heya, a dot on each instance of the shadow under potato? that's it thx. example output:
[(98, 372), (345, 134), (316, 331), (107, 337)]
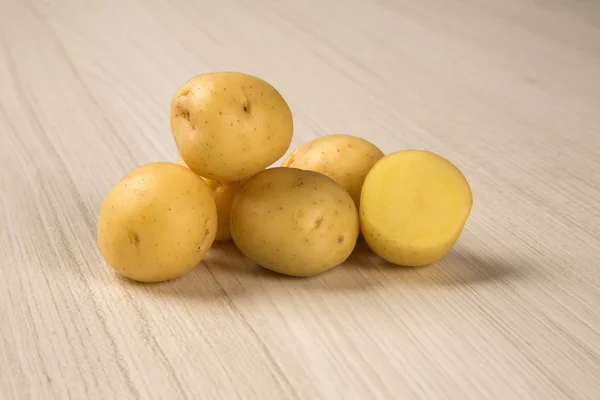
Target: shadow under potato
[(457, 268), (226, 272)]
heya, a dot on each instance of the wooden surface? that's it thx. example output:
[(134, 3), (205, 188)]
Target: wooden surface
[(509, 90)]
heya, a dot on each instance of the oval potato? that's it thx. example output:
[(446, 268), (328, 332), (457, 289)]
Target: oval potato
[(229, 126), (344, 158), (294, 222), (157, 222)]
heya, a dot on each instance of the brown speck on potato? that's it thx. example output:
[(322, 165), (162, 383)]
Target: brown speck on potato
[(134, 238), (207, 232), (341, 239), (318, 222)]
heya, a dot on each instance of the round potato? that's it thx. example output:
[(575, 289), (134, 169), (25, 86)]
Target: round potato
[(413, 207), (224, 193), (157, 222), (229, 126), (344, 158), (294, 222)]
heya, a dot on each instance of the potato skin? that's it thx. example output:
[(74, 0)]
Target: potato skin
[(228, 126), (344, 158), (224, 193), (413, 208), (294, 222), (157, 222)]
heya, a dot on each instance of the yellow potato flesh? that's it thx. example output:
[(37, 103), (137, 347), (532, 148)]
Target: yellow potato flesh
[(344, 158), (224, 193), (413, 207), (157, 222)]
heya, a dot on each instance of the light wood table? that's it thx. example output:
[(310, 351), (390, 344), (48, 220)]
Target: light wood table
[(509, 90)]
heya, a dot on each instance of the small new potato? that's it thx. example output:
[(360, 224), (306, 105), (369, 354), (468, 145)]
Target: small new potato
[(413, 207), (344, 158), (294, 222), (224, 193), (228, 126), (157, 222)]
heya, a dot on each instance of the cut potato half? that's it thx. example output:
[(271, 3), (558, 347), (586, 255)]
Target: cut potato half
[(413, 207)]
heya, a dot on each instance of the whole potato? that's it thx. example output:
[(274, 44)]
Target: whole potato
[(413, 208), (228, 125), (224, 193), (157, 222), (344, 158), (294, 222)]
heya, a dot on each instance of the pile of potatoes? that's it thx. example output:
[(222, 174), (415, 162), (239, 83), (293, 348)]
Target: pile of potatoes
[(300, 219)]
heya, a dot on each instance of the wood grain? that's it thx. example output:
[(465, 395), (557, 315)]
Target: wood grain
[(508, 90)]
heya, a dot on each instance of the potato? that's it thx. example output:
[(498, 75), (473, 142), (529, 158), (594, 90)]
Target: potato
[(344, 158), (157, 222), (224, 193), (294, 222), (413, 207), (229, 126)]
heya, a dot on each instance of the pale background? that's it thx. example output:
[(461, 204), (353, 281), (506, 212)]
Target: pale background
[(509, 90)]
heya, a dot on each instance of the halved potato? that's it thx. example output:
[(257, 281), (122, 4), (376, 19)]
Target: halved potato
[(413, 207)]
